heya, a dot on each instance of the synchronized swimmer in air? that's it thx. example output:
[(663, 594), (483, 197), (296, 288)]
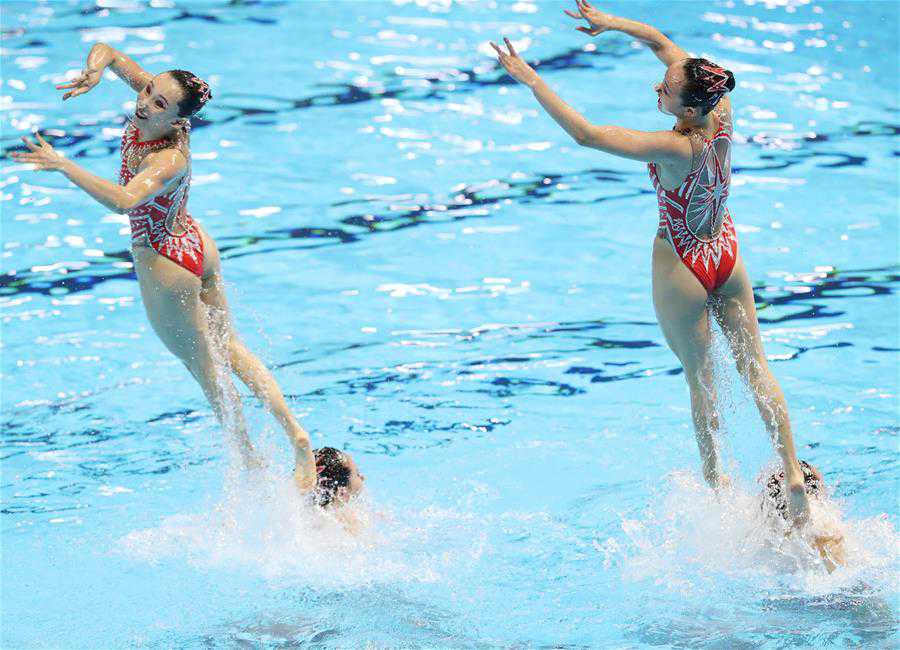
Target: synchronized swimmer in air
[(697, 270), (177, 262)]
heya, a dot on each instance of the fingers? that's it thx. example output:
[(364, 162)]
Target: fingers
[(27, 159), (512, 50), (572, 14), (498, 50), (28, 143), (40, 138), (74, 83), (76, 92)]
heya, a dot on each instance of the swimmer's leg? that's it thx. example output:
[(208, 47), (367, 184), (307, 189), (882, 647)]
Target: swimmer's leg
[(735, 312), (251, 371), (171, 297), (680, 302)]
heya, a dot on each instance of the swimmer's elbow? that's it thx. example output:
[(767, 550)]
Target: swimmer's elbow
[(126, 202), (589, 136), (581, 138)]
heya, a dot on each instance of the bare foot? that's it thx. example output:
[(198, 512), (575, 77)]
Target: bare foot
[(798, 503)]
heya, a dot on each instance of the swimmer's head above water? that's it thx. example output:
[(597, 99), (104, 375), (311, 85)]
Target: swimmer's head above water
[(337, 477), (775, 498), (693, 87), (170, 98)]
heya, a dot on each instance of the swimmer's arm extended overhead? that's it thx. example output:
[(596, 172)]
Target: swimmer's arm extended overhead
[(103, 56), (647, 146), (157, 170), (599, 22)]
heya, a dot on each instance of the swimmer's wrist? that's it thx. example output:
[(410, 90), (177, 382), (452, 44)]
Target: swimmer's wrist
[(100, 57), (66, 167), (534, 82)]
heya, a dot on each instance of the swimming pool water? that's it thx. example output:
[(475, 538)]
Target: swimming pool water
[(451, 290)]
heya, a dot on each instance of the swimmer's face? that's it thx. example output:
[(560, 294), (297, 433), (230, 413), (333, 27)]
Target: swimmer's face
[(669, 92), (157, 102)]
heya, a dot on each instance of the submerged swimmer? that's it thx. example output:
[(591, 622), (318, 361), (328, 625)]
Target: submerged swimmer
[(697, 269), (337, 478), (338, 481), (829, 544), (176, 262)]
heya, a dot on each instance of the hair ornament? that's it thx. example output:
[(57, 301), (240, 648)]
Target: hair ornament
[(717, 78), (201, 87)]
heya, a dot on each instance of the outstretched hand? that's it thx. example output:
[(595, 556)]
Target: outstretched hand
[(515, 65), (81, 84), (41, 155), (599, 22)]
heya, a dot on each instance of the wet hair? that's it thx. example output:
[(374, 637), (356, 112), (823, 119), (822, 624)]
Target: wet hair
[(195, 90), (775, 493), (705, 83), (332, 473)]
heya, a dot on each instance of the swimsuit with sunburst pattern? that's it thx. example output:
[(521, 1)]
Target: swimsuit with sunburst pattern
[(694, 217)]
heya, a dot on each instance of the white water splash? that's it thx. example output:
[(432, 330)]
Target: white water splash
[(266, 528), (689, 539)]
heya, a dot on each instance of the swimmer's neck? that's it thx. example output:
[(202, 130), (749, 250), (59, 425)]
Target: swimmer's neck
[(700, 123), (158, 133)]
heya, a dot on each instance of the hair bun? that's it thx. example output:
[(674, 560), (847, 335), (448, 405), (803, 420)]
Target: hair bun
[(196, 92), (730, 83)]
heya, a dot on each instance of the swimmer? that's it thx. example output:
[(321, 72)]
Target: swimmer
[(697, 269), (338, 481), (829, 544), (176, 262)]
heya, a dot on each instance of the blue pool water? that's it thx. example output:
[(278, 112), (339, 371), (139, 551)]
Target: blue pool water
[(450, 289)]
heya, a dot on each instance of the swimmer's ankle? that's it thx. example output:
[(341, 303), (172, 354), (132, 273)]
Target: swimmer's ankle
[(793, 473), (798, 503)]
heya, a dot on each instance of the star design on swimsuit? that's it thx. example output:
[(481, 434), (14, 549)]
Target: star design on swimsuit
[(708, 203)]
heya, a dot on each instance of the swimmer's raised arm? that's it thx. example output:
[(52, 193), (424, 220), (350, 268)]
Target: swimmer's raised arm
[(157, 170), (100, 57), (647, 146), (664, 49)]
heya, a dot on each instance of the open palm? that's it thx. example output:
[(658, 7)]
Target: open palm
[(81, 84)]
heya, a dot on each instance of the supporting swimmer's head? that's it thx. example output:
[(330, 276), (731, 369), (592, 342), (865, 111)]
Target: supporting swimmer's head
[(692, 87), (337, 477), (170, 99), (775, 497)]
